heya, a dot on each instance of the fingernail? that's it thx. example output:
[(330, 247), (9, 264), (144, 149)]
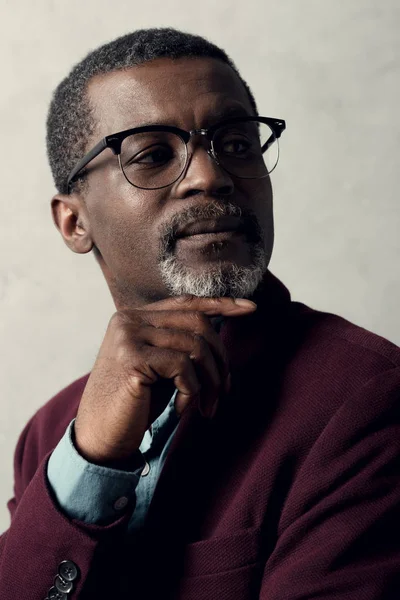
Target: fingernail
[(245, 303), (228, 384)]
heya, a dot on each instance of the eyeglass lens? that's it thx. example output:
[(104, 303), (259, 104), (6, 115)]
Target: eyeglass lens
[(156, 159)]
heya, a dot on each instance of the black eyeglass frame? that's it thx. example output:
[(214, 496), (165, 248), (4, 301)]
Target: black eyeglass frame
[(114, 141)]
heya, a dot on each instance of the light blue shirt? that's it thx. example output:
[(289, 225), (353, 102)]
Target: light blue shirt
[(96, 494)]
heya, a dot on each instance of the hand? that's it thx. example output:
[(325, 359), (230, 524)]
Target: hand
[(146, 352)]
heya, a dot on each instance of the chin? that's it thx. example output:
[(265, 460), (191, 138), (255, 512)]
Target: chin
[(216, 279)]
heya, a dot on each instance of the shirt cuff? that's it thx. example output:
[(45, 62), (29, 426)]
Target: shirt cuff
[(90, 493)]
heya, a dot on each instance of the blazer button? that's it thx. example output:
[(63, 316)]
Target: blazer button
[(63, 586), (54, 594), (68, 570)]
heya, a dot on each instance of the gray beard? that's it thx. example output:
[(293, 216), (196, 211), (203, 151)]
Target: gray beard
[(218, 279)]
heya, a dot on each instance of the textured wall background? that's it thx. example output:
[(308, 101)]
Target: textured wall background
[(331, 69)]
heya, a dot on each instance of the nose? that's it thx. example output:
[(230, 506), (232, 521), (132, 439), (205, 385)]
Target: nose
[(204, 175)]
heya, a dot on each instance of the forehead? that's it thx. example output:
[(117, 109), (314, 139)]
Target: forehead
[(184, 92)]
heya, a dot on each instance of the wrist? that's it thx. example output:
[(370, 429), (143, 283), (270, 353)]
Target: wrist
[(130, 463)]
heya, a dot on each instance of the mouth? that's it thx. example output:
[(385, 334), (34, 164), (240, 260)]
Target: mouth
[(211, 236), (213, 229), (215, 239)]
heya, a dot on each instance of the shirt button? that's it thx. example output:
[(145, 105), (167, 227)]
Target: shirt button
[(63, 586), (121, 503), (68, 570), (146, 469)]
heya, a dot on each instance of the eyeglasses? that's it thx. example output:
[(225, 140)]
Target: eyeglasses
[(153, 157)]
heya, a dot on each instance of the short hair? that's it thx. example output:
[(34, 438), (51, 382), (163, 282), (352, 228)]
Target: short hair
[(70, 120)]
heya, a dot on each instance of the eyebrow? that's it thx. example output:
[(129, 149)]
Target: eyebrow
[(223, 114), (230, 111), (219, 115)]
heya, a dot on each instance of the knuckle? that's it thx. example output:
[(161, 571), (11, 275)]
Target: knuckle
[(120, 336), (117, 319), (184, 362), (120, 345), (199, 321), (120, 320), (200, 347), (186, 299), (123, 324), (126, 352), (142, 374)]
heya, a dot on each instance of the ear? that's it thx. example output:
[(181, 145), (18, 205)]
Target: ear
[(72, 221)]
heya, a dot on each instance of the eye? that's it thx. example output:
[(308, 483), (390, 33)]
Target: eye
[(152, 156), (238, 146)]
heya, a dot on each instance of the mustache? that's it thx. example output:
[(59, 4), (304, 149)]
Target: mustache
[(249, 222)]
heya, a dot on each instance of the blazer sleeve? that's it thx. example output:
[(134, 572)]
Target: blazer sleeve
[(339, 532), (41, 537)]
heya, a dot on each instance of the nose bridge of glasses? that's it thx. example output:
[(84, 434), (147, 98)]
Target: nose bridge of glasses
[(204, 135), (205, 141)]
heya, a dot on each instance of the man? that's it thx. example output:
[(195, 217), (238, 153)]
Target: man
[(228, 442)]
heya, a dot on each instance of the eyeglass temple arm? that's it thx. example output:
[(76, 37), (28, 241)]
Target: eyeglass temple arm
[(102, 145), (279, 127)]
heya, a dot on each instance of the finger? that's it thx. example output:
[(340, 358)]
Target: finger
[(195, 346), (209, 306), (193, 323), (167, 364)]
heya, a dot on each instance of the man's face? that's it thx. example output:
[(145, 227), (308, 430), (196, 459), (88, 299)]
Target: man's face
[(135, 230)]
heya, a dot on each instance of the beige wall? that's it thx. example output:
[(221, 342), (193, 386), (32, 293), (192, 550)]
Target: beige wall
[(331, 69)]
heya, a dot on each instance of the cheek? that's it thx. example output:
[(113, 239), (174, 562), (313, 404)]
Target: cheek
[(130, 245), (123, 230), (259, 200)]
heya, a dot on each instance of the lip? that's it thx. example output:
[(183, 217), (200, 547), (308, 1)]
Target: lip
[(210, 237), (212, 227)]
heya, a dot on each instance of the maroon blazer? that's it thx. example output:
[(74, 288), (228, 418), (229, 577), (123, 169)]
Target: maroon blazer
[(292, 492)]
